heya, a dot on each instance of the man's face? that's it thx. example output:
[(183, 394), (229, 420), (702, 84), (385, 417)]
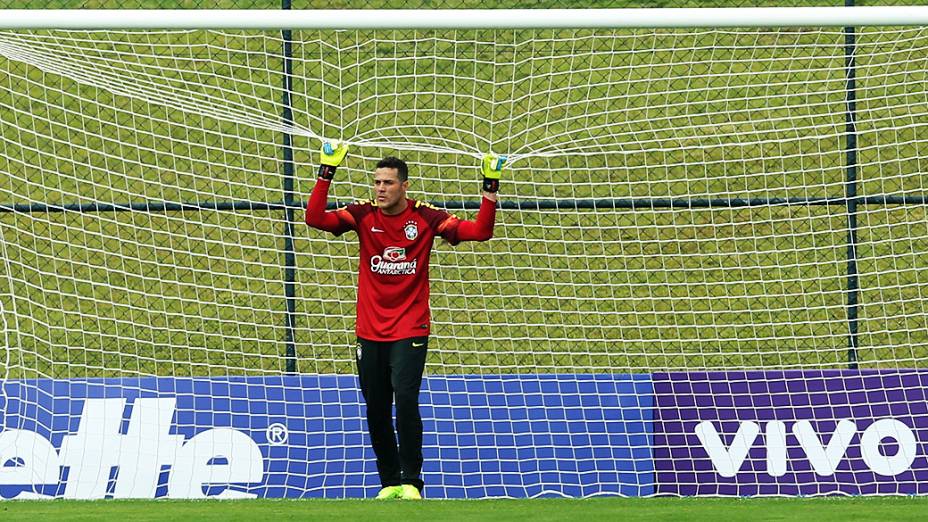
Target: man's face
[(388, 189)]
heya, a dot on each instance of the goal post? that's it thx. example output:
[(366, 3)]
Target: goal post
[(333, 19), (706, 276)]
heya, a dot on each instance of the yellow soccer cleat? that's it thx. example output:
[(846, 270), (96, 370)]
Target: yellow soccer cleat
[(410, 492), (391, 492)]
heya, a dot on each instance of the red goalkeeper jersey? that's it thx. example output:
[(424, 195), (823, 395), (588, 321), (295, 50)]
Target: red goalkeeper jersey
[(393, 276)]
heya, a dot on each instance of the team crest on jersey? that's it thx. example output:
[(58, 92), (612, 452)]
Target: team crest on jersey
[(411, 230)]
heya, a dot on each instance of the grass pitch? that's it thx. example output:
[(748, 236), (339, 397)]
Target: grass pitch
[(199, 293), (536, 510)]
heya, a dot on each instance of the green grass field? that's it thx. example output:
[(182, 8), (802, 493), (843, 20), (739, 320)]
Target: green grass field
[(712, 510)]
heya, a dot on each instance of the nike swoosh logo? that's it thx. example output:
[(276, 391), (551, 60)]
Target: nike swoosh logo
[(375, 229), (419, 345)]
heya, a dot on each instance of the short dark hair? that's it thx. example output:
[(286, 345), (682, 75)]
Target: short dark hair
[(390, 162)]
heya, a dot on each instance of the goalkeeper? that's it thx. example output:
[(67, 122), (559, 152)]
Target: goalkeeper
[(395, 235)]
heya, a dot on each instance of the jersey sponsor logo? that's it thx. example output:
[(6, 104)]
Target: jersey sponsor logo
[(393, 262), (411, 229), (394, 254), (375, 229)]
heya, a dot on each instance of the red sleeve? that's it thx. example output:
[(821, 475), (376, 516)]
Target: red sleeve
[(335, 221), (455, 230)]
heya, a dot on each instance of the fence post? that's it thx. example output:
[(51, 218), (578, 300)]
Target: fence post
[(289, 172), (850, 192)]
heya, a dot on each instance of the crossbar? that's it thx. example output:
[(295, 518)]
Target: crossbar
[(266, 19)]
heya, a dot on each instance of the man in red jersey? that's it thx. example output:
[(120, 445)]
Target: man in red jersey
[(395, 235)]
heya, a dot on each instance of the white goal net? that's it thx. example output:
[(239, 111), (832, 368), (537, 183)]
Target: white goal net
[(676, 202)]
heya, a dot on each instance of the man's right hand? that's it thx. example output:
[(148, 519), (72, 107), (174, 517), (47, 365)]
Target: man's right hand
[(492, 169), (330, 156)]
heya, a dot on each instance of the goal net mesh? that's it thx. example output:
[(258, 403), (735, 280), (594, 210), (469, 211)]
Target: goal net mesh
[(675, 199), (633, 118)]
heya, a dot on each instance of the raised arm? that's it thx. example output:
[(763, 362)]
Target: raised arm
[(482, 228), (316, 214)]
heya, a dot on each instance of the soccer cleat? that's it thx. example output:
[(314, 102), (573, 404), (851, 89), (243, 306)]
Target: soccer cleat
[(390, 492), (410, 492)]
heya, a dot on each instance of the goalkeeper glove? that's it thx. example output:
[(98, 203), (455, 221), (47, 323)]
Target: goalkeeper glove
[(492, 168), (330, 157)]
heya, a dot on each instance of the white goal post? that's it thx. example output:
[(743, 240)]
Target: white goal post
[(262, 19), (707, 276)]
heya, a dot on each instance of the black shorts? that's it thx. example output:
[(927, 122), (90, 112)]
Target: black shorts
[(388, 367)]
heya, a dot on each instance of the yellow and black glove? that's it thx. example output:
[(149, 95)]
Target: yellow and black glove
[(330, 157), (492, 169)]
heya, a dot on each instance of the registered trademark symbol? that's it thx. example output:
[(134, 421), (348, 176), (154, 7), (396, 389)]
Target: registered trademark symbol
[(277, 434)]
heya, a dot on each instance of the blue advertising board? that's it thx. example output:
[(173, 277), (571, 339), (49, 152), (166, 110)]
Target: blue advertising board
[(305, 436), (695, 433)]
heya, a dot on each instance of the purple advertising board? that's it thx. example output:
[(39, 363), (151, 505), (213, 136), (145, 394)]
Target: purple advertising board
[(791, 432)]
